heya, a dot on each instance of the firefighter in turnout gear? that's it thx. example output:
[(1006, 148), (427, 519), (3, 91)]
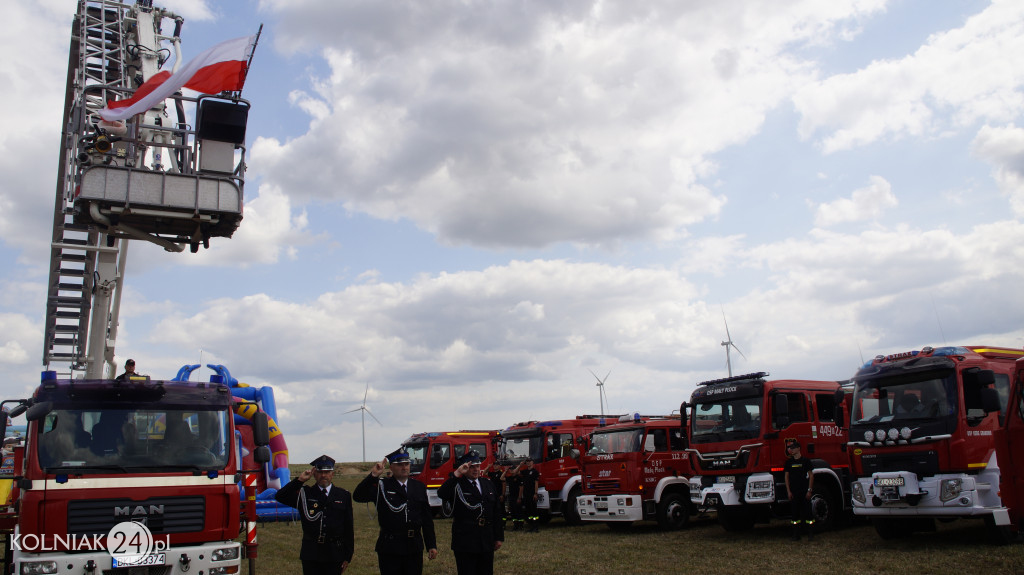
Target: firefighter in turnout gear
[(477, 530), (326, 513), (403, 512), (800, 487), (529, 483)]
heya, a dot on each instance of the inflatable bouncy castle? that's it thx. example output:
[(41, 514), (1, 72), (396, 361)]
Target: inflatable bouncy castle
[(249, 400)]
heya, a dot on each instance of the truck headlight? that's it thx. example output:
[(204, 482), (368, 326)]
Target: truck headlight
[(38, 567), (950, 489), (858, 492), (224, 554)]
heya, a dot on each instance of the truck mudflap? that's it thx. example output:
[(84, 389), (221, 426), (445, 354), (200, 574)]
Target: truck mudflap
[(901, 494), (179, 560), (610, 507)]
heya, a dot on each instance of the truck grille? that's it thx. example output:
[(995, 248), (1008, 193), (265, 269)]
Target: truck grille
[(923, 463), (603, 484), (160, 514)]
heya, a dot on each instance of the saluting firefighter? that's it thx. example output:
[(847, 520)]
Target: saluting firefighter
[(477, 529), (403, 512), (326, 513)]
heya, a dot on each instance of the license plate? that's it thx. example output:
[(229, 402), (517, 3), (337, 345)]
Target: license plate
[(138, 560), (601, 506), (889, 481), (726, 479)]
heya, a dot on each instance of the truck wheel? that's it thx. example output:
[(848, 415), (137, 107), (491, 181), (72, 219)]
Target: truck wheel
[(446, 508), (570, 512), (735, 520), (673, 512), (825, 508)]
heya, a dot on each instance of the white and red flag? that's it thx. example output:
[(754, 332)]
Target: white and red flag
[(219, 69)]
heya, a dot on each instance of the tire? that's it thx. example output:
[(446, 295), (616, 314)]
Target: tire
[(446, 508), (825, 508), (673, 512), (570, 512), (735, 519)]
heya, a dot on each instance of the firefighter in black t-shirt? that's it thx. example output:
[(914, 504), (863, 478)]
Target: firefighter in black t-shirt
[(513, 482), (529, 484), (800, 487)]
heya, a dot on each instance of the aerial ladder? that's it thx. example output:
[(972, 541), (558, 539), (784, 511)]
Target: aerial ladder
[(154, 177)]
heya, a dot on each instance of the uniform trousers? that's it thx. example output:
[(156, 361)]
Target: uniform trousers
[(411, 564)]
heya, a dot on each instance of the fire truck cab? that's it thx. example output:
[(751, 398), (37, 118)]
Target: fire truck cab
[(1010, 452), (551, 444), (738, 428), (637, 470), (433, 456), (922, 433)]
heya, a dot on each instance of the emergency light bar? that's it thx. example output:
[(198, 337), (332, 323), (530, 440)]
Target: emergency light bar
[(748, 376)]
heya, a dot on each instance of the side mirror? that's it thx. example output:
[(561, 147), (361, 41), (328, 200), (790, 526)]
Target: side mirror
[(682, 416), (781, 411), (39, 411), (260, 428), (262, 454)]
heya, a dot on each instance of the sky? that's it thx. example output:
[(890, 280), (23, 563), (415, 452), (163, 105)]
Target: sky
[(470, 212)]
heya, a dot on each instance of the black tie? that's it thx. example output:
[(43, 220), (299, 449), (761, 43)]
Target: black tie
[(324, 489), (405, 489), (476, 484)]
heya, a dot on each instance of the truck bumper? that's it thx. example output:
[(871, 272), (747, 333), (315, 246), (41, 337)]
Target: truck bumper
[(610, 507), (900, 494), (432, 497), (180, 560), (758, 489)]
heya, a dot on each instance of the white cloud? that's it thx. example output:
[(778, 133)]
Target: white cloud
[(866, 203), (505, 126), (1004, 149), (959, 77)]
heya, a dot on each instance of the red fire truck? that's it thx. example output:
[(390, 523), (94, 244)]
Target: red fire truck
[(433, 456), (922, 437), (637, 470), (100, 454), (550, 445), (738, 428)]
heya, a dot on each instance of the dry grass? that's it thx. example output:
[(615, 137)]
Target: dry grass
[(704, 547)]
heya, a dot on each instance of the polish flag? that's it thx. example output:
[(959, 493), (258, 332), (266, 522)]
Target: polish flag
[(221, 68)]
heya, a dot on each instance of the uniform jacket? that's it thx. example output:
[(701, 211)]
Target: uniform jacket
[(406, 522), (326, 521), (476, 517)]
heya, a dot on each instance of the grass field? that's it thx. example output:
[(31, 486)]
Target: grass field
[(704, 547)]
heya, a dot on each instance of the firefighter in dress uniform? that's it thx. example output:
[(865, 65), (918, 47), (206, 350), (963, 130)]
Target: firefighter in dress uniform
[(403, 512), (326, 513), (477, 530), (800, 487)]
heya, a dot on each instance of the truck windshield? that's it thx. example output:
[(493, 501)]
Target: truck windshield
[(97, 441), (625, 441), (522, 448), (921, 396), (417, 456), (726, 420)]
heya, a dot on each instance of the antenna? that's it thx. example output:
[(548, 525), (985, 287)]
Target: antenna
[(728, 343), (600, 388), (364, 410)]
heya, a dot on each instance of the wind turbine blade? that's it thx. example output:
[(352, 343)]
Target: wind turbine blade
[(351, 410), (737, 350), (367, 410), (727, 336), (366, 391), (594, 374)]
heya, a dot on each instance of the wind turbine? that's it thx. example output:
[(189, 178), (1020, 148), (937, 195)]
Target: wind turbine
[(600, 388), (364, 410), (728, 343)]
